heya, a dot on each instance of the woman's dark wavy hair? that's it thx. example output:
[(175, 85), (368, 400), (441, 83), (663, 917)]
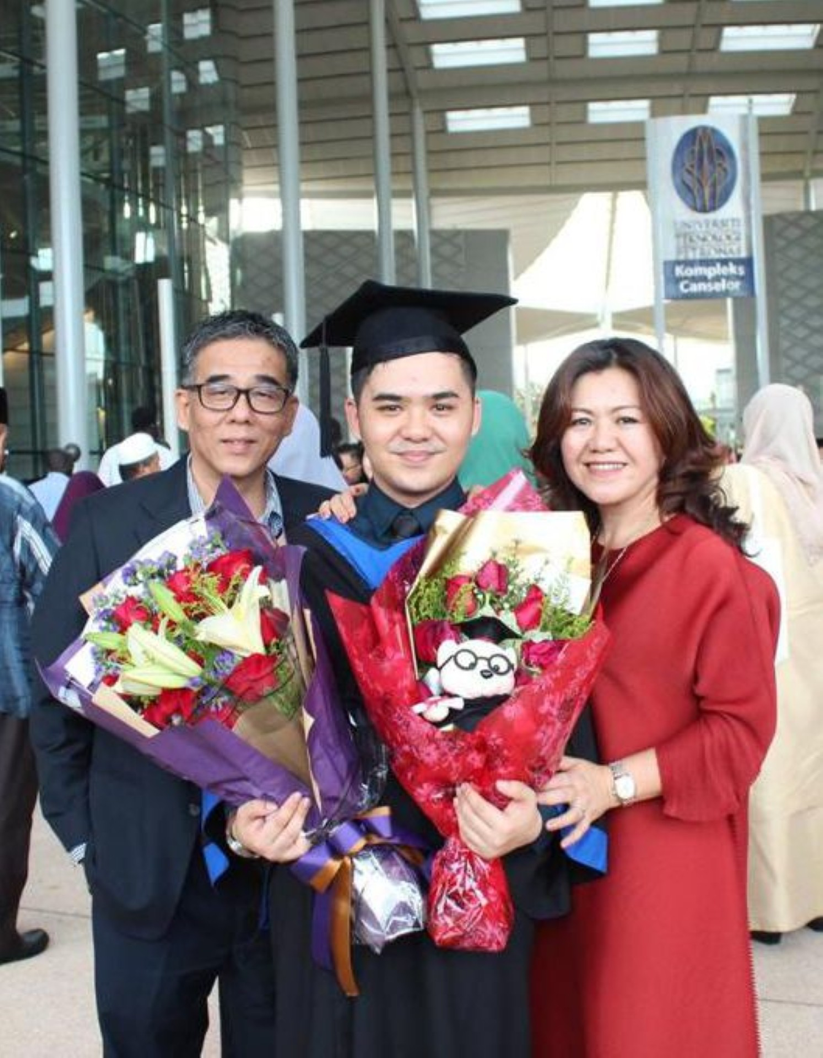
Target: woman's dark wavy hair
[(691, 458)]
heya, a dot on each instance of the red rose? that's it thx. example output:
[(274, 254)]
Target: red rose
[(131, 611), (168, 704), (540, 654), (226, 715), (109, 679), (493, 576), (461, 602), (234, 564), (181, 701), (253, 678), (273, 625), (529, 612), (428, 635), (180, 585)]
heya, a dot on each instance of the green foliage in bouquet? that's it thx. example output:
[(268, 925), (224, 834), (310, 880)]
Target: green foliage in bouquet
[(502, 590)]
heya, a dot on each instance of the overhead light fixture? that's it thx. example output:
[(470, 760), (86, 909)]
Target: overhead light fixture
[(765, 105), (494, 52), (138, 99), (793, 37), (111, 64), (622, 43), (466, 8), (207, 71), (611, 111), (196, 24), (488, 118), (154, 37)]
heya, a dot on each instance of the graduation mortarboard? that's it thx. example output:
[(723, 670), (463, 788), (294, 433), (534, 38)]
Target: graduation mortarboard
[(381, 322)]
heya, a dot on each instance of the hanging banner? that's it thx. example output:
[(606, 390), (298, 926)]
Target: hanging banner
[(700, 197)]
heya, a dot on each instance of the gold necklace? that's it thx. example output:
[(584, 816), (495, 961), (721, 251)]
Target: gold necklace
[(614, 564), (601, 575)]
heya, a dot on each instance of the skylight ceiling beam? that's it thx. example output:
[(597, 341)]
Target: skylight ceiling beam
[(530, 86), (398, 36), (584, 19)]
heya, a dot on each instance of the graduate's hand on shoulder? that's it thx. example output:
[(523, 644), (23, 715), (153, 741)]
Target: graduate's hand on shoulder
[(274, 832), (490, 831), (342, 506)]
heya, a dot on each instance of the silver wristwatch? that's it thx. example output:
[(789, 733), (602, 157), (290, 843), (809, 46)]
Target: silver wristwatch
[(624, 787), (235, 846)]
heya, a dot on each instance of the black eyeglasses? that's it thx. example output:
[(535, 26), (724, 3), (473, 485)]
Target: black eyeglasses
[(220, 396)]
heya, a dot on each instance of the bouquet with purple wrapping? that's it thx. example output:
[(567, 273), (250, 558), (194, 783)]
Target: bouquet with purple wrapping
[(199, 653)]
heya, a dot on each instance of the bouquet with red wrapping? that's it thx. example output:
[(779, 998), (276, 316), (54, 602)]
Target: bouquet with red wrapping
[(466, 562)]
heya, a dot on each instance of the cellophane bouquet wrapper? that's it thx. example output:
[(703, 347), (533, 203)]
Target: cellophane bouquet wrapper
[(248, 725), (523, 738)]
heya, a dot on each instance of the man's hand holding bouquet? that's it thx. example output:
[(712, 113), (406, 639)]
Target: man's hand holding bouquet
[(495, 596)]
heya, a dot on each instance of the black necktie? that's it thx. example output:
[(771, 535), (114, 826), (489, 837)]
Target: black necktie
[(404, 526)]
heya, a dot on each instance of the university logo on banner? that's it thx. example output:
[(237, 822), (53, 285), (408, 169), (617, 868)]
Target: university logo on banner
[(700, 198)]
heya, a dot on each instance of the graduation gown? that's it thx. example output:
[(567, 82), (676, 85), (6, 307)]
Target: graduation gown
[(415, 999)]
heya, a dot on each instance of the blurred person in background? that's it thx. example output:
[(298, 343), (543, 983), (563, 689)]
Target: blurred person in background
[(49, 489), (349, 457), (499, 445), (298, 455), (82, 483), (143, 420), (27, 545), (778, 487), (137, 456)]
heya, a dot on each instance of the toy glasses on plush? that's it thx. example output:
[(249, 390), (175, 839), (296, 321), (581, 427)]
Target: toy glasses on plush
[(476, 668)]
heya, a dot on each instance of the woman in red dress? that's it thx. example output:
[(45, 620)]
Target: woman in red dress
[(654, 959)]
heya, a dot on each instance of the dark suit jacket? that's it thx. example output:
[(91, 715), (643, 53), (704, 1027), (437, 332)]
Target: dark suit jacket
[(139, 823)]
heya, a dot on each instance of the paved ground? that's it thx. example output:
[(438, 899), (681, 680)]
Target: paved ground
[(48, 1009)]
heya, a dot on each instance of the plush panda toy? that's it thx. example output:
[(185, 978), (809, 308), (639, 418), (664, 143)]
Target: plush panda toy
[(472, 677)]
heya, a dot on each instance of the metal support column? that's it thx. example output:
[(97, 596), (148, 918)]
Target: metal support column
[(168, 363), (66, 222), (382, 140), (288, 152), (422, 204), (756, 215)]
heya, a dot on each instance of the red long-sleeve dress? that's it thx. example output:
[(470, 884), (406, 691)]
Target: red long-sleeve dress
[(654, 959)]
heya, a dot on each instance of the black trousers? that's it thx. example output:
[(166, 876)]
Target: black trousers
[(151, 994), (18, 794)]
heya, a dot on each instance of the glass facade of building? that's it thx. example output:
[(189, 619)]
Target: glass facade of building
[(160, 162)]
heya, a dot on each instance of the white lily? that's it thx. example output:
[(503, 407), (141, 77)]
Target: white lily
[(237, 628), (148, 681), (154, 652)]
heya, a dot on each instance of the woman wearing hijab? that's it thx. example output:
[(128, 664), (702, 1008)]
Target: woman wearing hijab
[(778, 487), (82, 483)]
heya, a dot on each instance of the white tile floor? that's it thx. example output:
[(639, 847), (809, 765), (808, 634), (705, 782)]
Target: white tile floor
[(48, 1008)]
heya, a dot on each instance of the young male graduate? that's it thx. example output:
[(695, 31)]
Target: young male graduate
[(164, 928), (415, 409)]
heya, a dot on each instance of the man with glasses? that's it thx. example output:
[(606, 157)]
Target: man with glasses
[(163, 929)]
